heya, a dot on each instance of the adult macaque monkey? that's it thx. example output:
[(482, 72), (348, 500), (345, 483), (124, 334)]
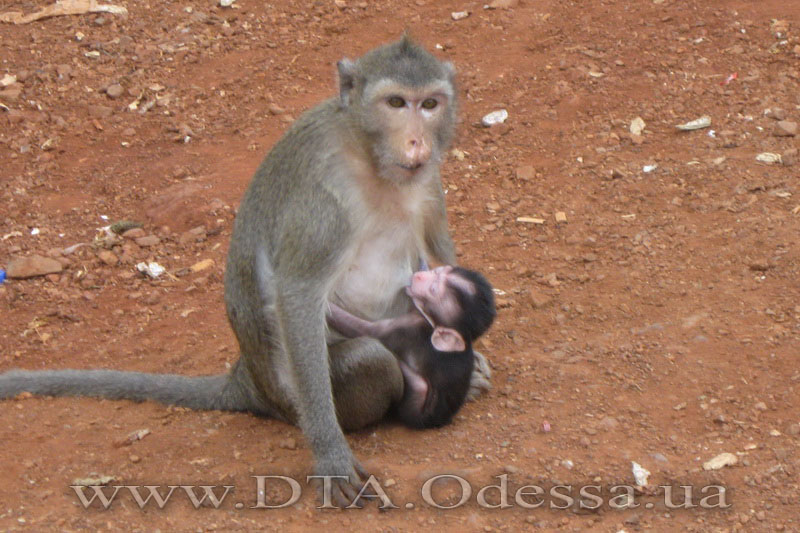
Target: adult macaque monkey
[(342, 210)]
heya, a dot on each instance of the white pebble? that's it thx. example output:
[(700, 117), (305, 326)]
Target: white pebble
[(495, 117)]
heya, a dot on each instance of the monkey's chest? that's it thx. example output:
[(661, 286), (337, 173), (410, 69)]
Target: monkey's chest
[(372, 284)]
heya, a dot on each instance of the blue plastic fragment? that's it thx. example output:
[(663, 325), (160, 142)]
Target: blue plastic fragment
[(2, 275)]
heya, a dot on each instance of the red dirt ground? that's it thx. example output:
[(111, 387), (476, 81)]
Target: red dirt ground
[(658, 324)]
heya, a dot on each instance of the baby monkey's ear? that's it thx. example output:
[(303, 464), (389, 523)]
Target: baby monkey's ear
[(447, 340)]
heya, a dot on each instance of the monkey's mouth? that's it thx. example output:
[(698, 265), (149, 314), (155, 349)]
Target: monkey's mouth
[(410, 167)]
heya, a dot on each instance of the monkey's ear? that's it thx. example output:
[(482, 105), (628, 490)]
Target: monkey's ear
[(447, 340), (347, 80), (450, 71)]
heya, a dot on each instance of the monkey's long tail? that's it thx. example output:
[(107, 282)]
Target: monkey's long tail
[(206, 392)]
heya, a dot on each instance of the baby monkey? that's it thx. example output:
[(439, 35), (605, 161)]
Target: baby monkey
[(433, 343)]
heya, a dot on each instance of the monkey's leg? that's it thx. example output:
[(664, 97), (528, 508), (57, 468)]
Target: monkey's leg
[(366, 380), (481, 374)]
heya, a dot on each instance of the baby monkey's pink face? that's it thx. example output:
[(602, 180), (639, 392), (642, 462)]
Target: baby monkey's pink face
[(433, 291)]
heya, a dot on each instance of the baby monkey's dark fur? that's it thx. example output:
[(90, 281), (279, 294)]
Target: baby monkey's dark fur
[(436, 381)]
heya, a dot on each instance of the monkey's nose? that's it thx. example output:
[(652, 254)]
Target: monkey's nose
[(417, 152)]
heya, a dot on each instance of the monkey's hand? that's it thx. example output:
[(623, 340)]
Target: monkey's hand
[(341, 481), (481, 374)]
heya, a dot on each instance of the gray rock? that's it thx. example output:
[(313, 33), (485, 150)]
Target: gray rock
[(785, 128), (114, 90), (148, 240)]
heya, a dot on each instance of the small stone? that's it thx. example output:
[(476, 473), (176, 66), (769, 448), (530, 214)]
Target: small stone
[(759, 265), (720, 461), (114, 91), (633, 520), (202, 265), (459, 15), (789, 157), (64, 72), (503, 4), (494, 118), (539, 300), (458, 154), (15, 116), (760, 406), (148, 240), (785, 128), (32, 266), (525, 172), (768, 157), (561, 216), (696, 124), (776, 113), (99, 111), (275, 109), (11, 93), (7, 80), (608, 423), (551, 280), (794, 430), (135, 458), (134, 233), (108, 257), (637, 126)]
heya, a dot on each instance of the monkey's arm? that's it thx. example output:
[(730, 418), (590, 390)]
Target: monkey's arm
[(350, 325), (437, 237), (304, 263), (390, 331)]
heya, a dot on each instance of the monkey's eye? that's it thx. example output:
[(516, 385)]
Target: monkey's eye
[(429, 103), (396, 101)]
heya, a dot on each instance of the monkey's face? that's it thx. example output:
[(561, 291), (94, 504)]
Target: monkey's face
[(433, 292), (407, 126)]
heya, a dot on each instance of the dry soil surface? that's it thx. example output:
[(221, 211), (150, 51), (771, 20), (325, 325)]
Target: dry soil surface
[(649, 309)]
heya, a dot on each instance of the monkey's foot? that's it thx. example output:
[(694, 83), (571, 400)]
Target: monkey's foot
[(345, 487), (481, 374)]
